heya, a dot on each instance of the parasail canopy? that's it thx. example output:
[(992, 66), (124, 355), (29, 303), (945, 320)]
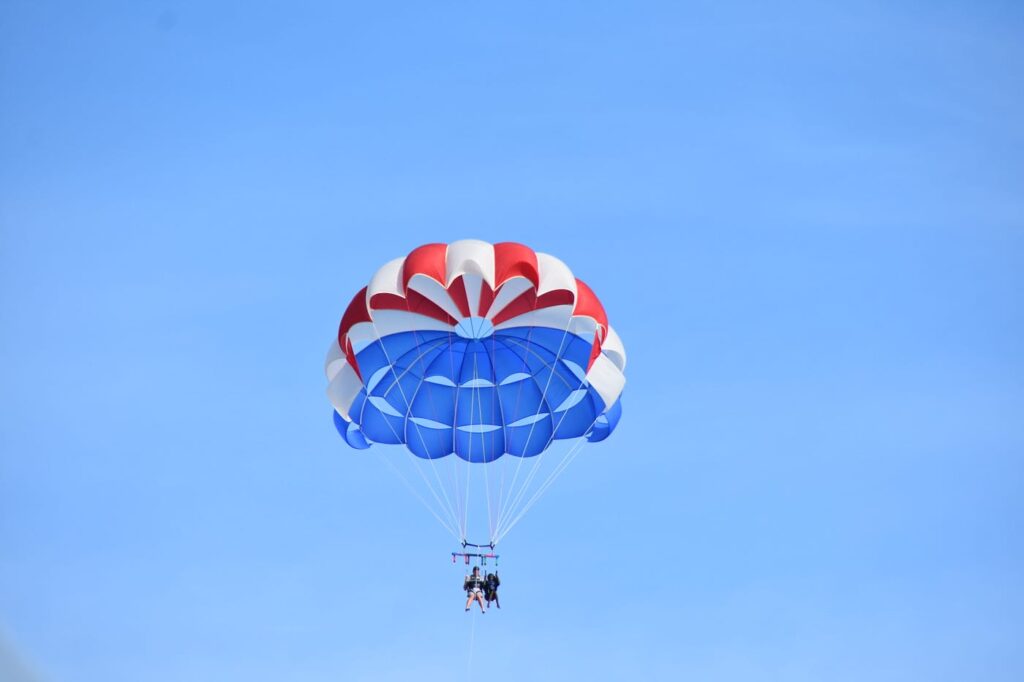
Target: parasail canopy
[(478, 351)]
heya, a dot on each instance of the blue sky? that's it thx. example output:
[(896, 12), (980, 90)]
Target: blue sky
[(805, 221)]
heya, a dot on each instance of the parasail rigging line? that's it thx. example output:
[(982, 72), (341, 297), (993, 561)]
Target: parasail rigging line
[(540, 406), (528, 350), (398, 383), (563, 464), (412, 489), (446, 524), (457, 510), (472, 642), (567, 459), (503, 493)]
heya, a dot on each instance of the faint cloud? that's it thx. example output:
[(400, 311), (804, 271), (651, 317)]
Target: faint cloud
[(13, 667)]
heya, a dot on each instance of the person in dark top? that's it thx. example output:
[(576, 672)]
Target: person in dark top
[(474, 587), (491, 583)]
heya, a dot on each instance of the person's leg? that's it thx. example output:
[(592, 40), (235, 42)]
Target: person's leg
[(480, 600), (469, 600)]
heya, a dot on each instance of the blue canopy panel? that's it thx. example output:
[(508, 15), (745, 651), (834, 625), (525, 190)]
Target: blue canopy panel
[(350, 432), (606, 423), (514, 392)]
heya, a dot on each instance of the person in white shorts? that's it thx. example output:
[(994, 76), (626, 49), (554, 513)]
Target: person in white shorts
[(474, 587)]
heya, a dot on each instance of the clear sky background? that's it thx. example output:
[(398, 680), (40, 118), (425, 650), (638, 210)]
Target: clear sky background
[(806, 223)]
